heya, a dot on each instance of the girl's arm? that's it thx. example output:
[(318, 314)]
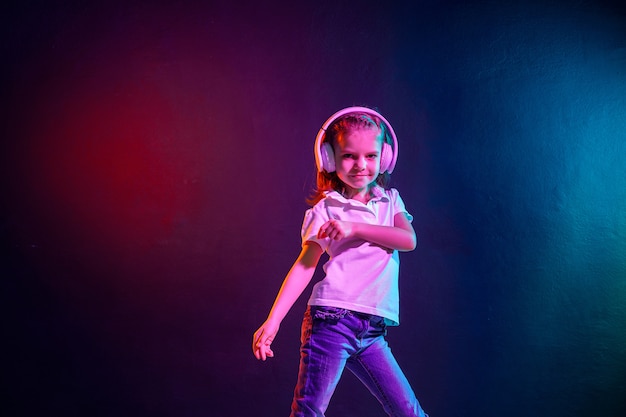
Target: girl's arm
[(295, 282), (400, 236)]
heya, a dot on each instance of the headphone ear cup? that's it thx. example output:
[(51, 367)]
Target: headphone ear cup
[(327, 157), (386, 157)]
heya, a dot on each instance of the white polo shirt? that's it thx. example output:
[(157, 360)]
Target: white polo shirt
[(360, 276)]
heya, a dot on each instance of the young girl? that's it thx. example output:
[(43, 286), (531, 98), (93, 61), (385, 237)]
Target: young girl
[(362, 226)]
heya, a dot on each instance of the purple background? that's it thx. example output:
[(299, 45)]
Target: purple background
[(155, 161)]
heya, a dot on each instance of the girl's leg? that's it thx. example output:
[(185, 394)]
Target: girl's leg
[(378, 369), (323, 356)]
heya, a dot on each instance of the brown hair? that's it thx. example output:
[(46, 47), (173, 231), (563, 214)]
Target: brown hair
[(329, 181)]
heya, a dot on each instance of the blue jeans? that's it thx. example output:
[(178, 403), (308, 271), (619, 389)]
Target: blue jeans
[(334, 339)]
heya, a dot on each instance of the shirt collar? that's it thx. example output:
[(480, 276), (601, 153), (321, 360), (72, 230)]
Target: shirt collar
[(378, 193)]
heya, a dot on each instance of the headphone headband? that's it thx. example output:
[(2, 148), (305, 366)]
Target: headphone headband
[(319, 139)]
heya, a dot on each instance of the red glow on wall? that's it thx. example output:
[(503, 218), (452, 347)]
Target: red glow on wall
[(109, 170)]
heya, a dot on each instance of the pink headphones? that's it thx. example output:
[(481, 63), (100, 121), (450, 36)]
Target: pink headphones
[(325, 157)]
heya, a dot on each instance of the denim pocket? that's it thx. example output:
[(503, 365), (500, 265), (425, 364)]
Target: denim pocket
[(379, 323)]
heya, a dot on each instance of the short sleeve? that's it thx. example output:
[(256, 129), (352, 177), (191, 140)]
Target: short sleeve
[(398, 204), (314, 218)]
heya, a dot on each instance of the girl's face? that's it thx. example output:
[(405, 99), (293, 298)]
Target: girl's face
[(357, 159)]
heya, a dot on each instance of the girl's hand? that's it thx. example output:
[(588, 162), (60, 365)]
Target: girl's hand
[(262, 340), (335, 229)]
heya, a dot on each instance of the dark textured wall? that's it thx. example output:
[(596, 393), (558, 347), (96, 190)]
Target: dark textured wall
[(155, 161)]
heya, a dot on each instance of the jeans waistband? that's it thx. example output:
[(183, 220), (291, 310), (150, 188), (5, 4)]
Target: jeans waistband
[(327, 312)]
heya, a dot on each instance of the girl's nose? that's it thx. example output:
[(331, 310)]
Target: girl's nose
[(361, 164)]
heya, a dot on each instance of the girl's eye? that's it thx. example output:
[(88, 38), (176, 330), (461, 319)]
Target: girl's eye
[(347, 156), (372, 156)]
